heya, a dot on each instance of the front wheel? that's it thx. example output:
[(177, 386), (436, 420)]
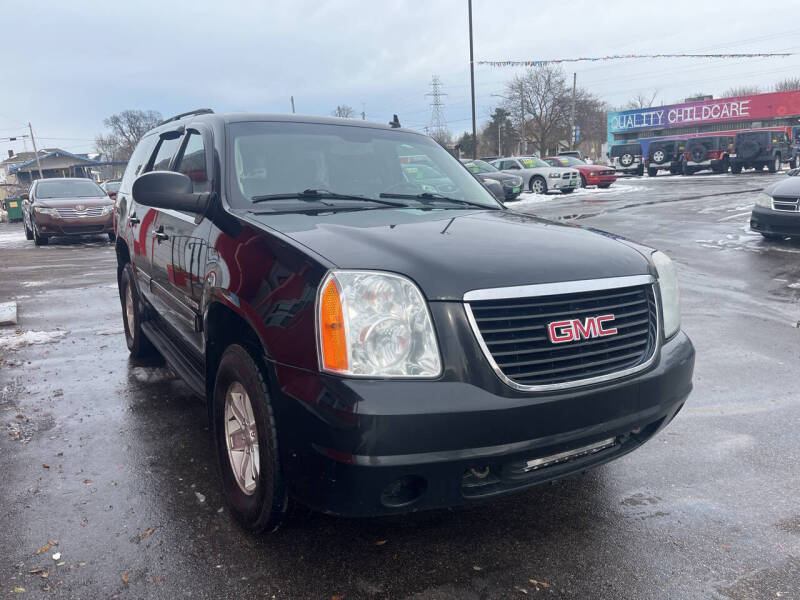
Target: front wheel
[(775, 165), (247, 442), (138, 344), (583, 181), (28, 232), (39, 240), (538, 185)]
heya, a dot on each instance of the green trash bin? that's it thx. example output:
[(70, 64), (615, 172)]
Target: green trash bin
[(13, 207)]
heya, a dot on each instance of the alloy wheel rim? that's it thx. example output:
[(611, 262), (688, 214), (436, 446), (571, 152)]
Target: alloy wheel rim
[(241, 438), (129, 310), (537, 187), (658, 156)]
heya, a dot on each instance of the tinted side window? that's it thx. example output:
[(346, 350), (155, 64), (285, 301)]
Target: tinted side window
[(166, 150), (137, 161), (193, 163)]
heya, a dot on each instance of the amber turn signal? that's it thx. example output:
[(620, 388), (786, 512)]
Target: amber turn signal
[(332, 333)]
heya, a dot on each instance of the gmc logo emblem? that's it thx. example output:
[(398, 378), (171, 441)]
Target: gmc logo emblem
[(575, 330)]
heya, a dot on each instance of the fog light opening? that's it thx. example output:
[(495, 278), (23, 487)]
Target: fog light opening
[(478, 476), (403, 491)]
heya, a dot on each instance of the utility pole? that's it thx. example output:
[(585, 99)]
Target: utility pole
[(572, 119), (292, 99), (35, 151), (472, 84), (523, 145), (499, 151)]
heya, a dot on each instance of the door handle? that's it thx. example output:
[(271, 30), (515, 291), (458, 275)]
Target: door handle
[(159, 234), (133, 220)]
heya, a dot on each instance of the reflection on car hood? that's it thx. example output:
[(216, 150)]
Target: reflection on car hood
[(449, 252)]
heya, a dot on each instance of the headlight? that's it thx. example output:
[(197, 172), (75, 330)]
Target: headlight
[(593, 174), (43, 210), (107, 209), (764, 200), (517, 180), (554, 175), (373, 324), (670, 297)]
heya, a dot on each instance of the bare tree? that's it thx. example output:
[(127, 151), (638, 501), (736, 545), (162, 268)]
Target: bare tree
[(344, 111), (126, 129), (540, 98), (788, 85), (641, 100), (443, 137), (741, 90)]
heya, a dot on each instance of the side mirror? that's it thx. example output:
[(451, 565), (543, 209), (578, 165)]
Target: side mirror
[(170, 190)]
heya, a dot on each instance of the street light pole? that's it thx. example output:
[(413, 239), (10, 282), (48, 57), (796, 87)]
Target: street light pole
[(472, 84), (572, 119)]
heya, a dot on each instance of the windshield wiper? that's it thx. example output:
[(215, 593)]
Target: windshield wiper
[(312, 194), (437, 196)]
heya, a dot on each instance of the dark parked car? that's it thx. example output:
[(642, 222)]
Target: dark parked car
[(512, 184), (665, 154), (627, 158), (711, 152), (368, 347), (759, 149), (68, 206), (776, 214)]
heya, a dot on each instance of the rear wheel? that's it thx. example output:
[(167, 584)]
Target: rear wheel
[(583, 181), (538, 185), (793, 163), (567, 190), (775, 165), (138, 343), (28, 232), (640, 170), (736, 168), (247, 442), (652, 171)]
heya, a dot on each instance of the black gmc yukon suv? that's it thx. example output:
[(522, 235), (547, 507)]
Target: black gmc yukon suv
[(759, 149), (368, 346)]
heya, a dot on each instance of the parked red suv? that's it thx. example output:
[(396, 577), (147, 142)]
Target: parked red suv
[(597, 175)]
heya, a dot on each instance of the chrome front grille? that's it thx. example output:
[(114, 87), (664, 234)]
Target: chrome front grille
[(71, 213), (512, 330), (786, 204)]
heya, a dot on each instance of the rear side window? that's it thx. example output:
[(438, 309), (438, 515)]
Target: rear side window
[(193, 163), (138, 160), (166, 150)]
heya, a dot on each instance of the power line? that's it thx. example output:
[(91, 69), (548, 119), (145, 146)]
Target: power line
[(555, 61)]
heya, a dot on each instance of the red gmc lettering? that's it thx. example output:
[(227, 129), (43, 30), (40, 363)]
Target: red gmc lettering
[(575, 330)]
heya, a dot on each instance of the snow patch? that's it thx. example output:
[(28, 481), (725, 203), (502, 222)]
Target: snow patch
[(152, 374), (11, 340)]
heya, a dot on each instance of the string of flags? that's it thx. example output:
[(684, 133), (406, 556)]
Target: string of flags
[(555, 61)]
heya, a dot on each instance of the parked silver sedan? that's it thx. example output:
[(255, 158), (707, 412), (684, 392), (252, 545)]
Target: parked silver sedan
[(538, 176)]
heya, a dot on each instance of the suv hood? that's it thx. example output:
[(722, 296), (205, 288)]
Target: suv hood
[(67, 202), (450, 252)]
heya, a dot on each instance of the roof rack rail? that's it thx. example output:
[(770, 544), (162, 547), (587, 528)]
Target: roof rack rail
[(197, 111)]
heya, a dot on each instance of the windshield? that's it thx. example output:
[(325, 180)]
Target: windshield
[(67, 188), (533, 162), (111, 186), (479, 166), (566, 161), (273, 158)]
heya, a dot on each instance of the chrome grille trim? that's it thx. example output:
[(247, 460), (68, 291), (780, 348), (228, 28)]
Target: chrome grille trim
[(71, 213), (554, 289), (786, 204)]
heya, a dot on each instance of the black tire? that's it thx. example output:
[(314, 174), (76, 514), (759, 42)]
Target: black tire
[(567, 190), (736, 168), (138, 344), (583, 181), (698, 152), (652, 171), (39, 240), (726, 164), (775, 165), (264, 507), (537, 181), (604, 185), (640, 170), (112, 236), (28, 232), (793, 163), (687, 170)]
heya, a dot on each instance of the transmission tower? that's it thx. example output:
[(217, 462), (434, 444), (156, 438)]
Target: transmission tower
[(438, 126)]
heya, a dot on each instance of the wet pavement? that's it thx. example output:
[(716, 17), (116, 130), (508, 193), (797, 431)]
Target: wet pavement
[(110, 462)]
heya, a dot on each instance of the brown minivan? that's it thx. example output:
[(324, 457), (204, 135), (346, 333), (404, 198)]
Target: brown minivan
[(68, 206)]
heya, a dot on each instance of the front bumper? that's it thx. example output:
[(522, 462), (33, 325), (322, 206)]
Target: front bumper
[(364, 448), (561, 183), (48, 225), (633, 168), (777, 222), (601, 179)]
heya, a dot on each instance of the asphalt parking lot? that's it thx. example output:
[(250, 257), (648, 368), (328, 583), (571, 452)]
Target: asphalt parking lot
[(110, 485)]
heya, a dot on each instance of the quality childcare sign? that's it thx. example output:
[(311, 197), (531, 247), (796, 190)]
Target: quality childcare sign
[(757, 106)]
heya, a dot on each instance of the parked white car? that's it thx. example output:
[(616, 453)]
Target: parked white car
[(538, 176)]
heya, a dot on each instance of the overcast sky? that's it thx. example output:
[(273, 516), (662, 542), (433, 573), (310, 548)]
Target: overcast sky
[(67, 65)]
